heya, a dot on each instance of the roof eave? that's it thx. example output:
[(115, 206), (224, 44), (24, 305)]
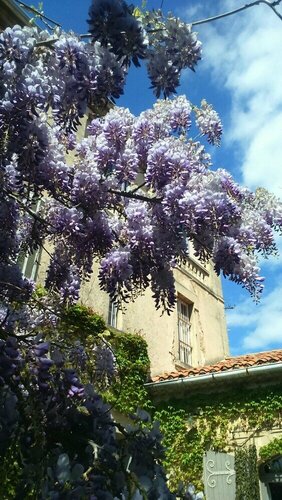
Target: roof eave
[(249, 373), (14, 12)]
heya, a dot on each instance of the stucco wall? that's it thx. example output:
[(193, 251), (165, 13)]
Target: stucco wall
[(200, 287), (11, 14), (208, 328)]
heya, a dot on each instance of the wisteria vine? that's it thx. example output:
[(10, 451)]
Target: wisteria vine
[(132, 194)]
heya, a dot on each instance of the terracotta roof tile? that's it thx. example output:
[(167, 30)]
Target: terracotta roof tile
[(229, 363)]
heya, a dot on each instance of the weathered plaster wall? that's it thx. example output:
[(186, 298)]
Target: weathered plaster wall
[(194, 284)]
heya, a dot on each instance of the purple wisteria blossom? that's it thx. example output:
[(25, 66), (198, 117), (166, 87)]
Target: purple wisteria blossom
[(209, 123), (130, 196)]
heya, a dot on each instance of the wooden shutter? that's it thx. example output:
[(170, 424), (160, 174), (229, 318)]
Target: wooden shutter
[(219, 476)]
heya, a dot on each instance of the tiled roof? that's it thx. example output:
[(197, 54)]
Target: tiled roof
[(229, 363)]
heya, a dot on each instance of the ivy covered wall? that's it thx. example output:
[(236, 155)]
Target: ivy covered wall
[(214, 421), (126, 391), (191, 425)]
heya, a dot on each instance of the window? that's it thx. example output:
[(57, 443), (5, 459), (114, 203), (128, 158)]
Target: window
[(29, 262), (184, 329), (112, 316)]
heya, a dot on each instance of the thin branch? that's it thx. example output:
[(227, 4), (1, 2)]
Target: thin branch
[(39, 14), (272, 5), (275, 11), (27, 209), (138, 187), (131, 194)]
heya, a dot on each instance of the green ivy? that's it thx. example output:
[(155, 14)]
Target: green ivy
[(128, 393), (79, 322), (247, 481), (210, 421), (10, 473), (271, 450)]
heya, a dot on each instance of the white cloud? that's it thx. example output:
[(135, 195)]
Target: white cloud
[(261, 323), (243, 54), (263, 156)]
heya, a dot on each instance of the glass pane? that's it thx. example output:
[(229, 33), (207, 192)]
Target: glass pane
[(274, 465), (184, 310), (184, 347), (112, 318)]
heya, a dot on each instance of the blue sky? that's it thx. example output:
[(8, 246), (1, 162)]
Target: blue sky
[(241, 75)]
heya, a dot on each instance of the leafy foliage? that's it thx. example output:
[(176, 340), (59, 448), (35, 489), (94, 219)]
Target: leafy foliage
[(78, 322), (128, 392), (190, 427), (271, 450), (56, 431), (58, 439), (247, 481)]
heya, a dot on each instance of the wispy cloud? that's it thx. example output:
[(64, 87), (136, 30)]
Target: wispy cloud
[(243, 55), (261, 324)]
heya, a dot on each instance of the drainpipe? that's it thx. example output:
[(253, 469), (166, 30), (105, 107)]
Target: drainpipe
[(193, 380)]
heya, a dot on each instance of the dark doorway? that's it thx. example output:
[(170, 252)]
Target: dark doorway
[(276, 491)]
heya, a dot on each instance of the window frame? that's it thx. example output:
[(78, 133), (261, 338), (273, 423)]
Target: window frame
[(184, 345), (112, 314)]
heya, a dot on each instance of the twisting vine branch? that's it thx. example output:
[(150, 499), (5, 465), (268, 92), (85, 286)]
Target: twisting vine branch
[(132, 194), (39, 14), (272, 6)]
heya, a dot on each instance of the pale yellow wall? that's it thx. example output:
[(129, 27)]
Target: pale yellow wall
[(194, 283), (11, 14), (259, 439), (197, 285)]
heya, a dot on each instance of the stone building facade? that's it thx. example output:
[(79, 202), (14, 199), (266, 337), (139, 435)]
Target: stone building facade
[(11, 13), (195, 332)]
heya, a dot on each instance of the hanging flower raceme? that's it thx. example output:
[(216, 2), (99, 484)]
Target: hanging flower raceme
[(132, 194), (113, 24)]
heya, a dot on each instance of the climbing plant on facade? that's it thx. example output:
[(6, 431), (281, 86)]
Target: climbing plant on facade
[(210, 422), (96, 209), (271, 450), (246, 469)]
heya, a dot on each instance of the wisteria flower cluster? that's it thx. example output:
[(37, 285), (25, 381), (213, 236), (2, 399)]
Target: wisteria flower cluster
[(131, 194), (168, 44), (136, 188), (60, 73), (141, 188), (114, 25), (46, 411), (165, 64)]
